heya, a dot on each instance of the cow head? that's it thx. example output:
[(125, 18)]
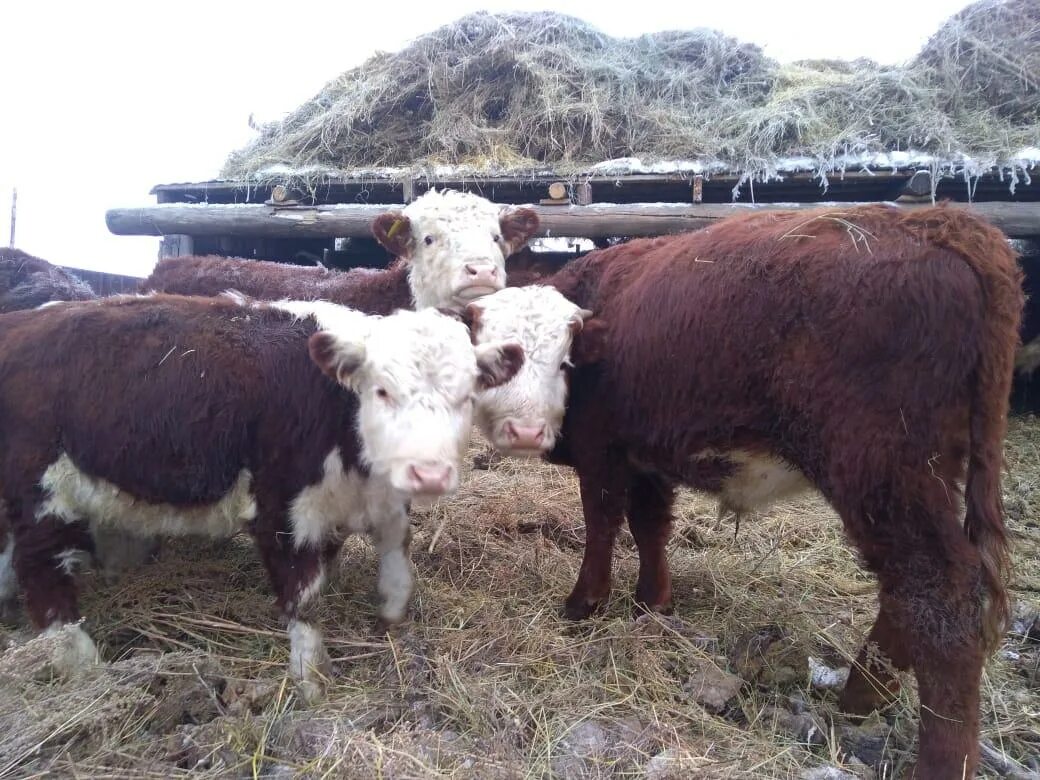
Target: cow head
[(415, 375), (523, 416), (456, 244)]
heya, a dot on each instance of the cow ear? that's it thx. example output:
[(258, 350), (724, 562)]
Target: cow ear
[(338, 358), (393, 230), (590, 342), (518, 226), (471, 316), (497, 363)]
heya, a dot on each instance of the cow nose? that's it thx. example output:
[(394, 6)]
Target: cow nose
[(483, 275), (525, 436), (430, 477)]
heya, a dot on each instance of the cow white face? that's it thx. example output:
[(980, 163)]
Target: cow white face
[(456, 243), (415, 375), (524, 415)]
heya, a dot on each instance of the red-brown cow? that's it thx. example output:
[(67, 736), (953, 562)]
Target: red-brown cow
[(27, 282), (865, 351), (451, 247)]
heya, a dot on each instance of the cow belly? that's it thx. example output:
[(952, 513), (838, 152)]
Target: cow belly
[(73, 495), (757, 480), (760, 480)]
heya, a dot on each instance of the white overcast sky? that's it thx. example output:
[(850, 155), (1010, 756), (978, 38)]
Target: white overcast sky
[(101, 100)]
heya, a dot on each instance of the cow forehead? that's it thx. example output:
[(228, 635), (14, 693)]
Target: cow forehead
[(422, 348), (451, 210), (536, 316)]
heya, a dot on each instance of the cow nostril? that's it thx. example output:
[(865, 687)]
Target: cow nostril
[(471, 270)]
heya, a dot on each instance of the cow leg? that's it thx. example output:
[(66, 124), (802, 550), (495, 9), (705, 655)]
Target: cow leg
[(392, 538), (297, 575), (650, 520), (603, 501), (8, 579), (931, 610), (47, 548), (873, 683)]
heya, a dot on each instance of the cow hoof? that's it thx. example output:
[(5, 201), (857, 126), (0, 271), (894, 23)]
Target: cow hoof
[(641, 608), (861, 697), (580, 608), (311, 691), (74, 652)]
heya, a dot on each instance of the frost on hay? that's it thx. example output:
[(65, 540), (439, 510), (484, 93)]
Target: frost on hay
[(516, 92)]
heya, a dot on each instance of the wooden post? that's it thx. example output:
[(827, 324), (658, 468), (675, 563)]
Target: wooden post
[(583, 193), (408, 190), (14, 213), (698, 188), (176, 245)]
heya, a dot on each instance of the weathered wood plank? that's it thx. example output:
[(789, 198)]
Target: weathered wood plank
[(176, 245), (593, 221)]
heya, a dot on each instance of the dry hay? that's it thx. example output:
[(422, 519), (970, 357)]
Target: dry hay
[(486, 680), (521, 91), (988, 57)]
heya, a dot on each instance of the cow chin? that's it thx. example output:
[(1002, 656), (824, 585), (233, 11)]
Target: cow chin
[(470, 293)]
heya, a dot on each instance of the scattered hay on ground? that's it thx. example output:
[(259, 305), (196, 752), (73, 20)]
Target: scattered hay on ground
[(486, 680), (516, 92)]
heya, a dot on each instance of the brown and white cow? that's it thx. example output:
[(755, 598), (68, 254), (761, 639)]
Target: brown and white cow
[(866, 352), (304, 421), (451, 247), (27, 282)]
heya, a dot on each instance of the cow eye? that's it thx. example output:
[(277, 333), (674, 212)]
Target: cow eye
[(428, 240), (381, 394), (496, 238)]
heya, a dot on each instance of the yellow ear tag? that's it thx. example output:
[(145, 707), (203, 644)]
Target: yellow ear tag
[(394, 228)]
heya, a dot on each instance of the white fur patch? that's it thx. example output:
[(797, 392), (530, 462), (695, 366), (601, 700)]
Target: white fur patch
[(336, 504), (308, 661), (341, 320), (72, 495), (538, 318), (74, 650), (758, 481), (68, 561)]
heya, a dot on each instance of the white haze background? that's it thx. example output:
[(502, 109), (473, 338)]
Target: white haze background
[(100, 101)]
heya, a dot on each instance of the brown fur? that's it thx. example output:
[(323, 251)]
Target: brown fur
[(869, 347), (27, 282), (169, 426), (371, 291)]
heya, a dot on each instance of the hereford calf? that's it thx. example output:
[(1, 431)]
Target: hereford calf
[(451, 248), (303, 421), (866, 352), (27, 282), (523, 416)]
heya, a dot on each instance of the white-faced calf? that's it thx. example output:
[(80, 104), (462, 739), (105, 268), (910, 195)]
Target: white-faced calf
[(523, 416), (169, 415)]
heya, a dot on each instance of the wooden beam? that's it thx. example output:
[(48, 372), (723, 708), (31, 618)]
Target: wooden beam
[(594, 221), (176, 245)]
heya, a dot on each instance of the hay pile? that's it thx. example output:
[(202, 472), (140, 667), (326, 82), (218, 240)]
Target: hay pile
[(522, 91), (487, 681)]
